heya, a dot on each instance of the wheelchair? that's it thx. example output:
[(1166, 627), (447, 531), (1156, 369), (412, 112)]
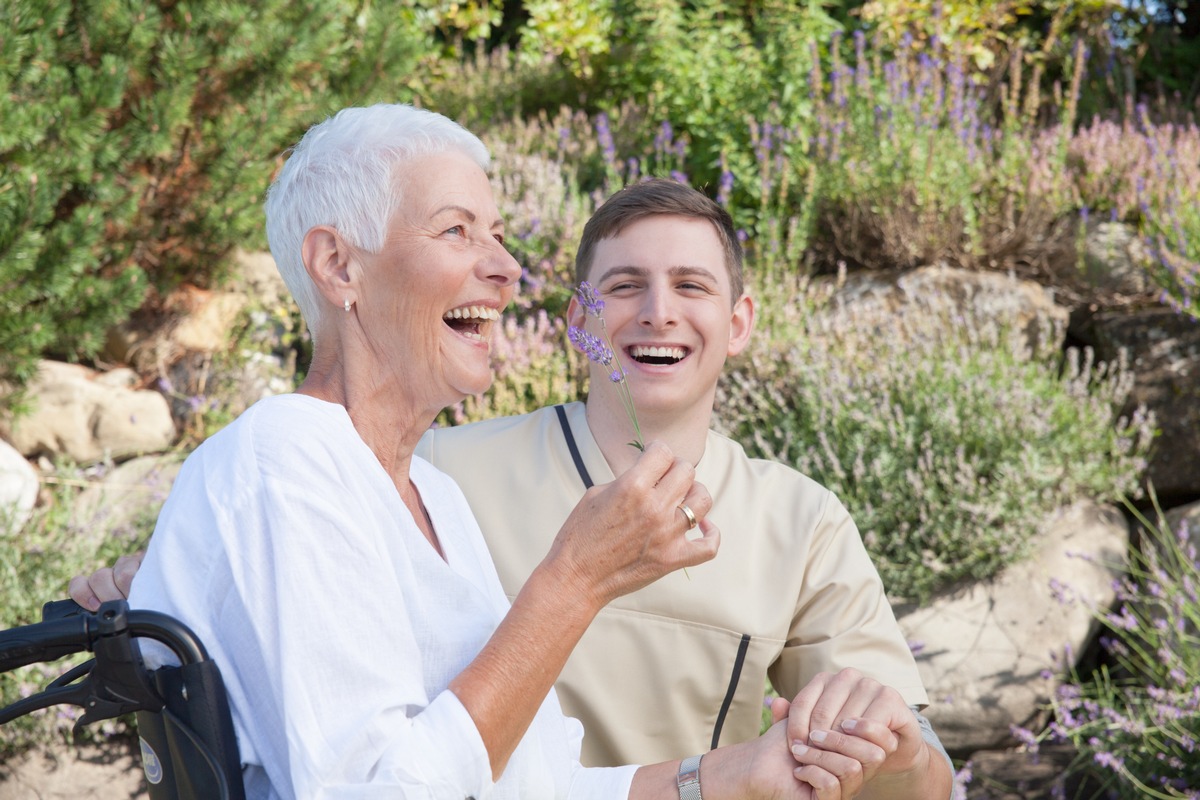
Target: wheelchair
[(189, 749)]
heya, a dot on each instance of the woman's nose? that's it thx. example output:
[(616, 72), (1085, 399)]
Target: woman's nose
[(500, 265)]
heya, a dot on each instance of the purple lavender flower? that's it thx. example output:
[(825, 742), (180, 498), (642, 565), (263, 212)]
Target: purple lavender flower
[(591, 346), (599, 350), (589, 298)]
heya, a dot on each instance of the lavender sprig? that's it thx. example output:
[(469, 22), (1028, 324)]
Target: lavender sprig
[(599, 350)]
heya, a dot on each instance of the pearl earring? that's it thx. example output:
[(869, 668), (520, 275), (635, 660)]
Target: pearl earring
[(346, 305)]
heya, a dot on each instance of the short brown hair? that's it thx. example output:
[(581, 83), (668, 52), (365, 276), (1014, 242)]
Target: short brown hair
[(653, 198)]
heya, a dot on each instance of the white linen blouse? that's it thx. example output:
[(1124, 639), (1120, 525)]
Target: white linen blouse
[(285, 546)]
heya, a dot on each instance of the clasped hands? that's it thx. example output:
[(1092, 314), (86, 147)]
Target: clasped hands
[(847, 733)]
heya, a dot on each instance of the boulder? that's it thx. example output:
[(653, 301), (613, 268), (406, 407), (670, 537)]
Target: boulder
[(89, 416), (18, 489), (126, 501), (1114, 258), (1163, 350), (989, 653), (942, 296)]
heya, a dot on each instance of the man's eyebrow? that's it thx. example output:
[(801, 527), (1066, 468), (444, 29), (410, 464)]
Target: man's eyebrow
[(624, 269), (641, 272), (697, 271)]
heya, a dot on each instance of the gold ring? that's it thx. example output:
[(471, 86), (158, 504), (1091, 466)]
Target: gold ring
[(691, 517)]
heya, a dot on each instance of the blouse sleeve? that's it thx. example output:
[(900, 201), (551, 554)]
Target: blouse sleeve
[(291, 575)]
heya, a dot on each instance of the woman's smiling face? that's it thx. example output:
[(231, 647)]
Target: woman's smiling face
[(430, 297)]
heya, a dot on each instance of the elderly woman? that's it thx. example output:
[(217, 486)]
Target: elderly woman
[(342, 584)]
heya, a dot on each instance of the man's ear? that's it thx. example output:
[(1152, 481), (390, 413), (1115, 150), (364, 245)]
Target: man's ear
[(327, 260), (741, 325), (576, 316)]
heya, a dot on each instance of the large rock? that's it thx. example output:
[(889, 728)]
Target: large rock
[(89, 416), (1185, 521), (18, 489), (1114, 258), (1163, 349), (127, 500), (987, 653), (945, 296)]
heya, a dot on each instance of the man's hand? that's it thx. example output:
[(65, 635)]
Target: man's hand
[(109, 583)]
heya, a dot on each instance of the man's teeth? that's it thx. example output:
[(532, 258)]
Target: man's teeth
[(641, 351), (473, 312)]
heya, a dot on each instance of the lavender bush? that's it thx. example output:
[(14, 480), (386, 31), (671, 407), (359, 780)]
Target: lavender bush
[(1136, 720), (949, 439), (39, 560)]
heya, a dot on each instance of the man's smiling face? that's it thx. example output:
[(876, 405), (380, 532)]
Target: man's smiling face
[(670, 313)]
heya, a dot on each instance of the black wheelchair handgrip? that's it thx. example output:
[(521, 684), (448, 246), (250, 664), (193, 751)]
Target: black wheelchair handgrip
[(43, 641), (60, 609)]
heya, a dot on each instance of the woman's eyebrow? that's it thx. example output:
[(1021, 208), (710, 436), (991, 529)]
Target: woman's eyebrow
[(466, 212)]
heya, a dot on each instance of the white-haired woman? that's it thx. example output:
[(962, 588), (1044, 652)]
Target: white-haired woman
[(342, 584)]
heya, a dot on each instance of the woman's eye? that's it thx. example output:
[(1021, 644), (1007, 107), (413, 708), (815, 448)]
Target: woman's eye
[(457, 230)]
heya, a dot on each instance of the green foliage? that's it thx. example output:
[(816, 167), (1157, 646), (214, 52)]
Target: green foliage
[(139, 138), (949, 440), (36, 564), (1136, 723)]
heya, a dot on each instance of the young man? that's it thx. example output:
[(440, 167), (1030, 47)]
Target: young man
[(680, 666)]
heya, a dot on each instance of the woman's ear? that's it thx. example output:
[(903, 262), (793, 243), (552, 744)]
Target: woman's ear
[(327, 260), (741, 324)]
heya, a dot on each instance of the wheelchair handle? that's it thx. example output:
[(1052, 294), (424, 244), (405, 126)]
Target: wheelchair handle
[(75, 630)]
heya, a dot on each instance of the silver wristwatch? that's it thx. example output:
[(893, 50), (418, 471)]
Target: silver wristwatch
[(688, 779)]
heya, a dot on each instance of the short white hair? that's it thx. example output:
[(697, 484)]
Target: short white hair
[(342, 173)]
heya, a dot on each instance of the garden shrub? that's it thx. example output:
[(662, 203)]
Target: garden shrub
[(949, 439), (1135, 720), (139, 137), (36, 563)]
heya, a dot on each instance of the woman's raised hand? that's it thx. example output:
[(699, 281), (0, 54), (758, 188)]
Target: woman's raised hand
[(628, 533)]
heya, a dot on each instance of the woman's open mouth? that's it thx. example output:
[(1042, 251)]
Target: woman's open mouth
[(473, 322)]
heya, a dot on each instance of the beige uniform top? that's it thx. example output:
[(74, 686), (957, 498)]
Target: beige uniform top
[(671, 669)]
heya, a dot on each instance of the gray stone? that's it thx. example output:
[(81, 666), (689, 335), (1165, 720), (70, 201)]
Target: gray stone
[(988, 651), (1163, 350), (89, 416), (1114, 258), (18, 489), (941, 296), (127, 500)]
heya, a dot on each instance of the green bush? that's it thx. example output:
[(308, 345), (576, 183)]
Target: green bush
[(1135, 721), (949, 440), (36, 563), (139, 137)]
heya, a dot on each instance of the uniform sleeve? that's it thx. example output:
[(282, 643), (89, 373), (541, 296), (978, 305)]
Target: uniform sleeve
[(842, 617), (303, 609)]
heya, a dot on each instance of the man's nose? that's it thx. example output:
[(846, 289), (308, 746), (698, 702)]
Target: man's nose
[(658, 310)]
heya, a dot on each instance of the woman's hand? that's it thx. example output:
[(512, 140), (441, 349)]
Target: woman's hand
[(628, 533)]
